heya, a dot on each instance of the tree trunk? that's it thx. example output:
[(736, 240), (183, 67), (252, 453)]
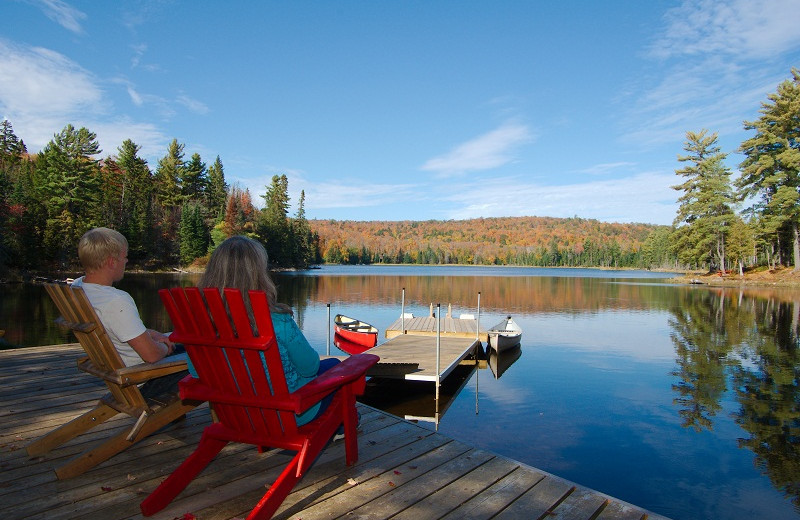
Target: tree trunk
[(796, 246)]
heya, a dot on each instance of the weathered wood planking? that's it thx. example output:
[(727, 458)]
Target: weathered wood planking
[(404, 470), (426, 326), (408, 348)]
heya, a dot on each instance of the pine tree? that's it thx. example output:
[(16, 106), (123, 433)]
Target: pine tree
[(217, 188), (274, 228), (771, 169), (194, 179), (304, 255), (137, 199), (706, 206), (194, 236), (169, 174), (741, 243), (167, 208), (70, 187)]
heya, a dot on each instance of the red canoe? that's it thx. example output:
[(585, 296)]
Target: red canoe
[(355, 331), (348, 346)]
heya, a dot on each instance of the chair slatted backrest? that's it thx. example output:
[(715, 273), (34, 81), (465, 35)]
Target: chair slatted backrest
[(232, 357), (78, 315)]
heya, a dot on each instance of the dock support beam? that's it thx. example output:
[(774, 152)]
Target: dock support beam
[(403, 311), (438, 349), (328, 340)]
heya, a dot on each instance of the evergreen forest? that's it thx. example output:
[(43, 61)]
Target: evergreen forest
[(175, 212)]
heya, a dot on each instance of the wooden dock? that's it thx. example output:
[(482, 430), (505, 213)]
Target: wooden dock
[(426, 326), (408, 349), (404, 470)]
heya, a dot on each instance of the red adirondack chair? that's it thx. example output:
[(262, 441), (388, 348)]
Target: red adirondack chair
[(253, 405)]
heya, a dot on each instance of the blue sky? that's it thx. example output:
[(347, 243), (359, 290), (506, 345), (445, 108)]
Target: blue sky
[(408, 110)]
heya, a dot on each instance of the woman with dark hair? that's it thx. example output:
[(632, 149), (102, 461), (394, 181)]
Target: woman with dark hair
[(242, 263)]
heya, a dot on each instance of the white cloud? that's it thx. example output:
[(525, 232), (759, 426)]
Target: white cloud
[(485, 152), (62, 13), (602, 169), (111, 134), (739, 28), (194, 105), (717, 62), (135, 97), (645, 197), (41, 90)]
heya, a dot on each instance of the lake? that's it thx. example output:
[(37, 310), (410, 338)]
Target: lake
[(680, 399)]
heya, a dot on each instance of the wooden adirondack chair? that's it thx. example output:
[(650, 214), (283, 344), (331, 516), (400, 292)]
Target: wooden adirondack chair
[(240, 374), (103, 361)]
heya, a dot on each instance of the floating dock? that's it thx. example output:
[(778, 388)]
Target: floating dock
[(409, 349), (403, 470), (426, 326)]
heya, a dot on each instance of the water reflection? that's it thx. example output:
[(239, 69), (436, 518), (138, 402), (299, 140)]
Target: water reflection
[(415, 400), (499, 363), (717, 333), (681, 399)]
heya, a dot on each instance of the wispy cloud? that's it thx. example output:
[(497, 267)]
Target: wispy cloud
[(716, 63), (644, 197), (739, 28), (62, 13), (40, 89), (603, 169), (490, 150), (194, 105), (322, 196)]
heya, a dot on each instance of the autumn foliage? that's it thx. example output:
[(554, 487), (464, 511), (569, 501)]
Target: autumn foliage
[(541, 241)]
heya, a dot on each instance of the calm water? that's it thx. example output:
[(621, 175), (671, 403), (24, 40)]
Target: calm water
[(680, 399)]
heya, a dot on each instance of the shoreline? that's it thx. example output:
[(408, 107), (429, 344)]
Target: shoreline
[(785, 277)]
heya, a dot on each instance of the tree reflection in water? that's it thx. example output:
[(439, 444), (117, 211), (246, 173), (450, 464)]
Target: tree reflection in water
[(755, 342)]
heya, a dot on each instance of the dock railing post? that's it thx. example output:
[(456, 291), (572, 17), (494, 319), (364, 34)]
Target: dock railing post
[(438, 346), (478, 322), (403, 311), (328, 337)]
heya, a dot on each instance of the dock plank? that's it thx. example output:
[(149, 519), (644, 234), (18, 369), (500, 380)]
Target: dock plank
[(404, 470), (409, 348), (427, 326), (451, 496), (497, 496)]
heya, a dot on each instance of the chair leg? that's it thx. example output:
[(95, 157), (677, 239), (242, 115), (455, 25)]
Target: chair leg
[(206, 450), (72, 429), (278, 492), (120, 442), (350, 428)]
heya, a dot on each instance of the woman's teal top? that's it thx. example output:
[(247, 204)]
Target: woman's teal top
[(300, 360)]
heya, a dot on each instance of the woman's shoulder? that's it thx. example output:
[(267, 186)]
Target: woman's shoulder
[(281, 317)]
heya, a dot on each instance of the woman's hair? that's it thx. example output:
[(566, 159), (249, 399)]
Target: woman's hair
[(242, 263), (96, 245)]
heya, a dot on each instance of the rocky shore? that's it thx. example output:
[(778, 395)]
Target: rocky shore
[(762, 276)]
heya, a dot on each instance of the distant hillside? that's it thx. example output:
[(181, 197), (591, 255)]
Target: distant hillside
[(542, 241)]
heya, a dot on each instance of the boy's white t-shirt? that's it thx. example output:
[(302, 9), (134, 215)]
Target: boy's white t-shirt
[(119, 315)]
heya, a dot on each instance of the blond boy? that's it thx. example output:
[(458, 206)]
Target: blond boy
[(103, 253)]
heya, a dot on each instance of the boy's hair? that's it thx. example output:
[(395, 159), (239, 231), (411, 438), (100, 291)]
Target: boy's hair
[(96, 245)]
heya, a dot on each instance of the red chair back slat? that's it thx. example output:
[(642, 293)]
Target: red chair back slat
[(230, 356)]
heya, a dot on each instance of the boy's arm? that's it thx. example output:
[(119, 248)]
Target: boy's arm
[(149, 349)]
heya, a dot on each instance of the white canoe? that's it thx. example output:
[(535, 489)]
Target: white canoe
[(504, 335)]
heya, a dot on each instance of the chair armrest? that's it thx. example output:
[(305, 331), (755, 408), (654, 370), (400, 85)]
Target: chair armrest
[(135, 374), (351, 369)]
